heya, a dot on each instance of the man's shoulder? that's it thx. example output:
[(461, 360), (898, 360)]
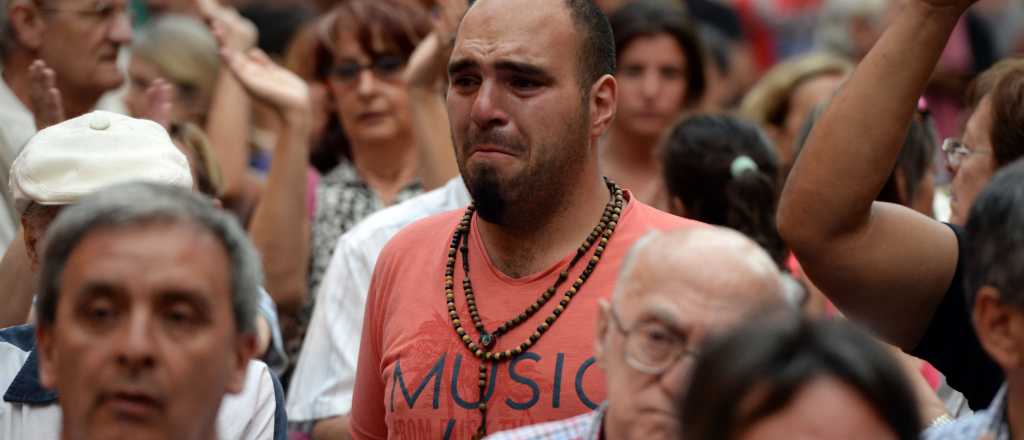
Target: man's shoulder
[(649, 217), (577, 427)]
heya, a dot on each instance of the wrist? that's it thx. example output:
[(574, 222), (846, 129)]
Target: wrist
[(931, 11)]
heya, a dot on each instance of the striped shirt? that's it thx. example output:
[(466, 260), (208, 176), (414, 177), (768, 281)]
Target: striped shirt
[(582, 427)]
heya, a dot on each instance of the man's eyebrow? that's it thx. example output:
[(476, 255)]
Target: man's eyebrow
[(666, 316), (459, 66), (522, 69)]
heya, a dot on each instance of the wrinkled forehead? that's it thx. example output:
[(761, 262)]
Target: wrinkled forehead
[(698, 295), (539, 32)]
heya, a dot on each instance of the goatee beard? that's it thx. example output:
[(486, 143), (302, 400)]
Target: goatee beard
[(491, 204)]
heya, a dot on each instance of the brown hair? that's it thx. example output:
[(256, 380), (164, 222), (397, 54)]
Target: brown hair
[(209, 179), (1008, 117), (398, 25)]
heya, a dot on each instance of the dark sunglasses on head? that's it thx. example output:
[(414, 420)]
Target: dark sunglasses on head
[(383, 67)]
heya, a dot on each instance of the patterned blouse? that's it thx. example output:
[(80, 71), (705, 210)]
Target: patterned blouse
[(343, 199)]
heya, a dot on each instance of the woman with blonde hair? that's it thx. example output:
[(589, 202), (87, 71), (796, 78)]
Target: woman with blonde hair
[(783, 99)]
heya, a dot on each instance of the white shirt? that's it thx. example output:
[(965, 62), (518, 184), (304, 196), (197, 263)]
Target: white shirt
[(249, 415), (17, 126), (325, 375)]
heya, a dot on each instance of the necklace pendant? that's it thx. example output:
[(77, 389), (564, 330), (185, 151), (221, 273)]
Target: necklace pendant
[(487, 340)]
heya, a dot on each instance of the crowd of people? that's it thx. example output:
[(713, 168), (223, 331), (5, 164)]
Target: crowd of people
[(511, 219)]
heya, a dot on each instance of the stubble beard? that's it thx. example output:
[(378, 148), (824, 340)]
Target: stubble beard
[(536, 194)]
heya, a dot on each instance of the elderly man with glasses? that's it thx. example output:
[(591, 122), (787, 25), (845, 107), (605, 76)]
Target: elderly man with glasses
[(51, 47), (675, 289)]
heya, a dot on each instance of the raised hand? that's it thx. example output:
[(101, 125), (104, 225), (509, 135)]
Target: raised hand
[(265, 80), (47, 106), (238, 32), (159, 98), (426, 66)]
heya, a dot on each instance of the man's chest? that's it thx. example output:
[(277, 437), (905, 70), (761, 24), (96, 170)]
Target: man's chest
[(432, 381)]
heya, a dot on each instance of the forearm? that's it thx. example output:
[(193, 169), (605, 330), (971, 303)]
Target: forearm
[(20, 283), (280, 226), (334, 428), (433, 137), (228, 126), (855, 144)]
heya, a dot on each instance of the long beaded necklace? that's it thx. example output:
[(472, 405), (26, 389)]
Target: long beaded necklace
[(487, 340)]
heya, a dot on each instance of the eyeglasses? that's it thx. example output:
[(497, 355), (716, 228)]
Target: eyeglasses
[(100, 12), (956, 151), (652, 348), (385, 67)]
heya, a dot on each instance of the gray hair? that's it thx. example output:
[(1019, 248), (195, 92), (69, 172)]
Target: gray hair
[(134, 204)]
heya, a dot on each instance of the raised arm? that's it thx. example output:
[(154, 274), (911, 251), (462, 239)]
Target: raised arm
[(279, 228), (425, 76), (47, 105), (229, 120), (882, 264)]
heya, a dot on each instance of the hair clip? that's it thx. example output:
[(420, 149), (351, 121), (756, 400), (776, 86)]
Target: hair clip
[(742, 164)]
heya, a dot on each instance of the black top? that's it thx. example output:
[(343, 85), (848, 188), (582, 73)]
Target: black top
[(951, 345)]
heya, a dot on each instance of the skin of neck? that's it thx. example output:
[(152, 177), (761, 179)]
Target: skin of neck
[(538, 243), (387, 167), (76, 102), (1015, 403), (625, 151)]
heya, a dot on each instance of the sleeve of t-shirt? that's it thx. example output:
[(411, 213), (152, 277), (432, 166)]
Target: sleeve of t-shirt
[(325, 376), (367, 419), (951, 345)]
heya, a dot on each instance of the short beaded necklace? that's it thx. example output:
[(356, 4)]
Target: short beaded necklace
[(487, 340)]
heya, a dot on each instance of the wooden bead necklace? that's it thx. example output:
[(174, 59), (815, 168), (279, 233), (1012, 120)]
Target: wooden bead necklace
[(487, 340)]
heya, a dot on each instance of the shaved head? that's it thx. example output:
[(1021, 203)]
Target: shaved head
[(675, 289)]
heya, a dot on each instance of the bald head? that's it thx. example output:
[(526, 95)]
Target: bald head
[(718, 264), (596, 54), (675, 289)]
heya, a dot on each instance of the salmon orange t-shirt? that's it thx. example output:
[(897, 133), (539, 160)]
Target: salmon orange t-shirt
[(415, 378)]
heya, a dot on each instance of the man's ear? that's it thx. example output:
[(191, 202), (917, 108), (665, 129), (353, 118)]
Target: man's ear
[(27, 24), (1000, 328), (245, 349), (600, 339), (47, 356), (604, 98)]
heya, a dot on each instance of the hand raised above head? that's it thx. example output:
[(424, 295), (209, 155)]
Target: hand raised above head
[(426, 66), (47, 106), (159, 98), (265, 80), (238, 32)]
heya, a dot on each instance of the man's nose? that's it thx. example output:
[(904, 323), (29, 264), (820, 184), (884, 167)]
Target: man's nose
[(136, 344), (675, 379), (487, 108), (121, 28)]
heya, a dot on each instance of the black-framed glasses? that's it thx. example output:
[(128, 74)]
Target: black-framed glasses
[(384, 67), (957, 151), (652, 348)]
